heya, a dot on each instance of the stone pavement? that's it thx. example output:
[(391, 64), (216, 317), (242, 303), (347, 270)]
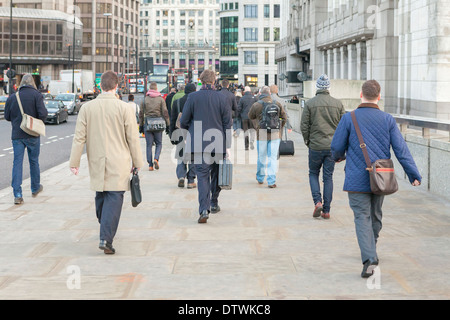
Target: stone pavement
[(264, 244)]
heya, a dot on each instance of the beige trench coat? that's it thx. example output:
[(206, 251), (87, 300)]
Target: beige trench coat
[(107, 126)]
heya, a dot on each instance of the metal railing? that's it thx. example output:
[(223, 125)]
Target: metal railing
[(426, 124)]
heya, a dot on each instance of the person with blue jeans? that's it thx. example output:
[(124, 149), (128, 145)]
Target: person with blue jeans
[(381, 134), (153, 106), (320, 118), (33, 105), (268, 142)]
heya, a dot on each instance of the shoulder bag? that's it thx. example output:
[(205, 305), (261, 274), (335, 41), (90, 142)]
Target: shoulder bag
[(154, 124), (381, 172), (32, 126)]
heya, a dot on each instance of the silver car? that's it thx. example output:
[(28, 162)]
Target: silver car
[(71, 101)]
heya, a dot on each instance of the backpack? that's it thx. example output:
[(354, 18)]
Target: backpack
[(270, 119)]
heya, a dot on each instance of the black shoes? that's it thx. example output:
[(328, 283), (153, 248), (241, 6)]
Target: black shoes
[(181, 183), (203, 217), (34, 194), (215, 209), (369, 268), (106, 247)]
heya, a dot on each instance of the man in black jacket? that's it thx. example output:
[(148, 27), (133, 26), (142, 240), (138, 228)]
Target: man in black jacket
[(231, 98), (185, 169), (207, 117), (245, 103), (33, 105)]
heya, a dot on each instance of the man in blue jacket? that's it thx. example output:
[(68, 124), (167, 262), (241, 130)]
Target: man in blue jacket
[(380, 132), (207, 117), (33, 105)]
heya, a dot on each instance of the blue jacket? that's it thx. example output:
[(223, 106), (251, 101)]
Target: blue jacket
[(207, 116), (380, 132), (33, 105)]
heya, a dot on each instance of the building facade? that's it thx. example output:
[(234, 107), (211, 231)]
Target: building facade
[(251, 59), (181, 33), (403, 44), (42, 43)]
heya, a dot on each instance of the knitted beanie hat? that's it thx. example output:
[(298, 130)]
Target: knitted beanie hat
[(323, 82)]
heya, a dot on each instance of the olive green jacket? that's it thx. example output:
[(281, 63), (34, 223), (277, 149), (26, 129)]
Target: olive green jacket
[(320, 118)]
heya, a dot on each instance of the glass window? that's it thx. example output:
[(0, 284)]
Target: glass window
[(251, 11), (251, 34), (276, 10), (266, 34), (251, 57), (276, 34), (266, 11)]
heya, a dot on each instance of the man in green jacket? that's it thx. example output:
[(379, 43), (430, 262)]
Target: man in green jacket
[(320, 118)]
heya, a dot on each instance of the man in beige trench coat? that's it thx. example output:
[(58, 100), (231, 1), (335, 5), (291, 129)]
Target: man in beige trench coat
[(107, 126)]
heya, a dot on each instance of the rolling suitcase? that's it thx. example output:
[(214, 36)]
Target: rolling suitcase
[(286, 146), (225, 174)]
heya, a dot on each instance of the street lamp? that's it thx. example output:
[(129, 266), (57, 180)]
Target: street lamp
[(127, 25), (73, 48), (107, 15)]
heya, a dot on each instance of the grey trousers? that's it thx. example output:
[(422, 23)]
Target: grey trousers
[(108, 207), (367, 213)]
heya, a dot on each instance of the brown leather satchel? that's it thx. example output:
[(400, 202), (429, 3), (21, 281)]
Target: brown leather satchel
[(381, 172)]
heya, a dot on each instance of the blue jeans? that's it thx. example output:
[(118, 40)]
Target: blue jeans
[(157, 138), (33, 146), (318, 160), (267, 155)]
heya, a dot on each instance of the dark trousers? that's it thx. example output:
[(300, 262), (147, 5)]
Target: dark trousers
[(108, 207), (207, 183), (321, 160), (151, 137), (249, 131)]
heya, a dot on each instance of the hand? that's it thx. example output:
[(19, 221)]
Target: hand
[(75, 170), (167, 130), (133, 168), (416, 183)]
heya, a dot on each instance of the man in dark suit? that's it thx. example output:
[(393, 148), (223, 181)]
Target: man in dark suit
[(231, 98), (207, 117)]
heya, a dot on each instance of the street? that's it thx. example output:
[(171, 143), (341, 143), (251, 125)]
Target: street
[(55, 147)]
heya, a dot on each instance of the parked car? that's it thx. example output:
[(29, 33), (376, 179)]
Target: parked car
[(47, 96), (2, 103), (71, 101), (57, 111)]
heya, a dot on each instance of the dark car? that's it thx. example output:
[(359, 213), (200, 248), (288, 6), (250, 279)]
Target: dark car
[(57, 111)]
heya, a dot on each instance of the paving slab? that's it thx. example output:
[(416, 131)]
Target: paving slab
[(263, 245)]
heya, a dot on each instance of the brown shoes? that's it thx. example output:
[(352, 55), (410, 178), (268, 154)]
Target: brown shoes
[(317, 210), (156, 163)]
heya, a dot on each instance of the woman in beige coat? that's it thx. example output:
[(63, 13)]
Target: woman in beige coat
[(107, 126)]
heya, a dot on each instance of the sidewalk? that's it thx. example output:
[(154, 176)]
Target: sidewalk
[(264, 244)]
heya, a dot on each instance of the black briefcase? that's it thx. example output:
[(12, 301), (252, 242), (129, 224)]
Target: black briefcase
[(135, 188), (286, 146), (225, 174)]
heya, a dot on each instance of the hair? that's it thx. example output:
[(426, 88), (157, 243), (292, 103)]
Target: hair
[(208, 77), (181, 87), (153, 86), (274, 88), (109, 81), (371, 90), (130, 97), (265, 89), (225, 83), (28, 80)]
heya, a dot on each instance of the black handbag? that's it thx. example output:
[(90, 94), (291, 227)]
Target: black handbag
[(286, 146), (135, 188), (155, 124)]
